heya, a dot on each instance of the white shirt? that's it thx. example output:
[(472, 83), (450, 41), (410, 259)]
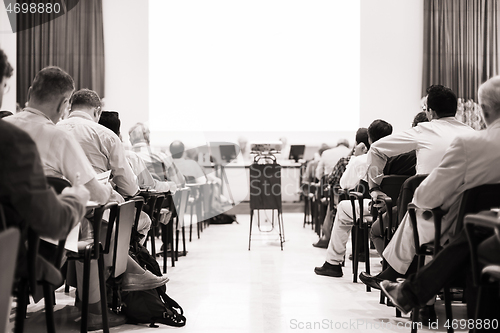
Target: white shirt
[(103, 148), (430, 141), (61, 154), (329, 159), (354, 172)]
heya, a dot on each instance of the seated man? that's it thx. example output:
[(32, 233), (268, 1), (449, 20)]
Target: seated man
[(463, 167), (330, 157), (159, 164), (356, 170), (111, 120), (333, 180)]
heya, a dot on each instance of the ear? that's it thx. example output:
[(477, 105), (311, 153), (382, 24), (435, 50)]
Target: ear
[(97, 114), (62, 105), (29, 93)]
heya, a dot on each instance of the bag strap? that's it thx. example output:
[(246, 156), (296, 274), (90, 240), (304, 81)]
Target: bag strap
[(168, 300)]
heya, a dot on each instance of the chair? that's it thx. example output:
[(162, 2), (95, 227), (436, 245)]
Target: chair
[(476, 199), (491, 271), (152, 207), (360, 228), (95, 251), (392, 186), (9, 244)]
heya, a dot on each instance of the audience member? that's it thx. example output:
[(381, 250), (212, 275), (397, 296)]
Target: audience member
[(159, 164), (356, 170), (61, 154), (333, 180), (330, 157), (464, 166), (111, 120)]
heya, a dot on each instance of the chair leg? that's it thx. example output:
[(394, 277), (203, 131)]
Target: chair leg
[(176, 244), (164, 239), (366, 246), (191, 224), (153, 237), (104, 301), (184, 241), (48, 295), (22, 304), (171, 241), (355, 255), (85, 287), (447, 305), (250, 233)]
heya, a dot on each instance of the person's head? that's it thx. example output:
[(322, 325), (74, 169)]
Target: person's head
[(177, 149), (87, 101), (5, 73), (362, 137), (111, 120), (378, 129), (441, 102), (138, 133), (50, 92), (489, 99), (343, 142), (421, 117), (322, 148)]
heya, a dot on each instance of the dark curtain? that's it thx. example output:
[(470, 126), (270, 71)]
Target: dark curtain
[(460, 44), (73, 41)]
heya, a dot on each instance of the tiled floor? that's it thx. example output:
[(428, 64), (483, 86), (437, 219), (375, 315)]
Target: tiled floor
[(223, 287)]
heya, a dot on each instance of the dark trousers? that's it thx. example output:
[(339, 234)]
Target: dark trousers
[(451, 263)]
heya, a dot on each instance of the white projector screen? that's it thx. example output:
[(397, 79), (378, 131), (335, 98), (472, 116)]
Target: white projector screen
[(254, 65)]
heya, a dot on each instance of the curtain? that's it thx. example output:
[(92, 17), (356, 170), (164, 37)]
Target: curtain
[(74, 42), (460, 44)]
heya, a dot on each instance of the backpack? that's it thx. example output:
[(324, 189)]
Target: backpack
[(223, 219), (153, 305)]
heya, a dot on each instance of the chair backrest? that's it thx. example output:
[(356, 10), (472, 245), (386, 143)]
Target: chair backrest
[(9, 243), (406, 194), (476, 199), (57, 183), (123, 225), (391, 185)]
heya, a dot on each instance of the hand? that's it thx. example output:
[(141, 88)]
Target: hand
[(116, 197), (360, 149), (172, 186), (80, 192), (376, 194)]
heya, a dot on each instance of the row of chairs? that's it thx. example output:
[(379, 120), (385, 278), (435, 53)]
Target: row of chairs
[(123, 219), (400, 189)]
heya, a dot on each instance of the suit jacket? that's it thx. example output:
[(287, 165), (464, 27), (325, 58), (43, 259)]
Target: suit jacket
[(471, 160)]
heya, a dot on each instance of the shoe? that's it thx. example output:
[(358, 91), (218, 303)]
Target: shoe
[(369, 280), (329, 270), (361, 257), (392, 291), (94, 321), (427, 315), (144, 281), (322, 243)]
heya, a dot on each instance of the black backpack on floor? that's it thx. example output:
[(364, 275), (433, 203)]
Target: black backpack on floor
[(153, 305)]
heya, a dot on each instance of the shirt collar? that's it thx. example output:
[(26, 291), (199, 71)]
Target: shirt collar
[(38, 113), (80, 114)]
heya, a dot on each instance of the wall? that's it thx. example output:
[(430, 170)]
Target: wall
[(127, 70), (391, 61), (8, 45)]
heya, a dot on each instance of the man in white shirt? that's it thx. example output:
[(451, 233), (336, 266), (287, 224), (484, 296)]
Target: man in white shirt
[(330, 157), (428, 139), (356, 170)]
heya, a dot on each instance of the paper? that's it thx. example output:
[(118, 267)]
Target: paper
[(103, 177), (71, 239)]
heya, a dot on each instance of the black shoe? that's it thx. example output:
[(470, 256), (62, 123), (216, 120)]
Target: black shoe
[(94, 321), (322, 243), (329, 270), (361, 257), (392, 291), (369, 280), (427, 315)]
